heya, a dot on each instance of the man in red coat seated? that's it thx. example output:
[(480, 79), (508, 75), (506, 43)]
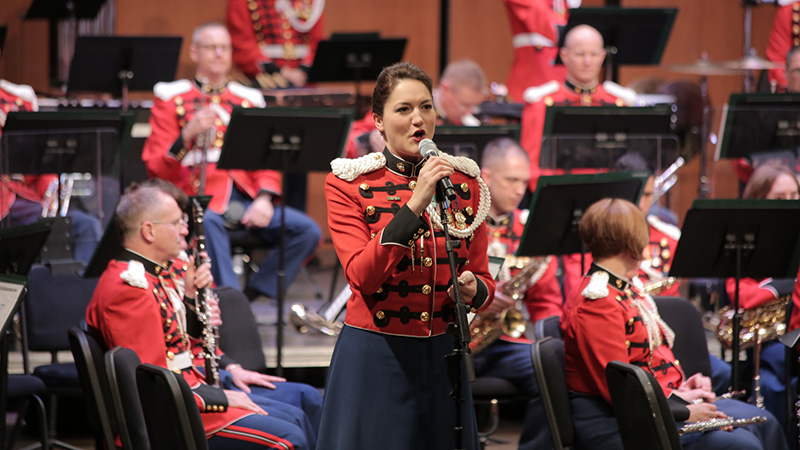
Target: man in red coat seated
[(583, 55)]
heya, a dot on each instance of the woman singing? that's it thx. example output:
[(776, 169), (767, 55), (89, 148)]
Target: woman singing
[(388, 384), (611, 320)]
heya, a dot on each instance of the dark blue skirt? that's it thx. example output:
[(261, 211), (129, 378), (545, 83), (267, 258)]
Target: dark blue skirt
[(391, 392)]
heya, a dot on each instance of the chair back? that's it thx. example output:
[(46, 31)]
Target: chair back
[(549, 326), (88, 355), (121, 364), (548, 365), (171, 414), (239, 334), (690, 345), (640, 407)]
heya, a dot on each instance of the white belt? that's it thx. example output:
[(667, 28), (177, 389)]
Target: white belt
[(182, 360), (531, 40), (278, 51)]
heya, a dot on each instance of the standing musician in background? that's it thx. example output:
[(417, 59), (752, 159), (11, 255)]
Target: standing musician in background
[(274, 41), (505, 169), (388, 235), (583, 55), (535, 28), (188, 121), (140, 303), (612, 319), (784, 35)]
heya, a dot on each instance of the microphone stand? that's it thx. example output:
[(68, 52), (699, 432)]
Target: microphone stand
[(460, 331)]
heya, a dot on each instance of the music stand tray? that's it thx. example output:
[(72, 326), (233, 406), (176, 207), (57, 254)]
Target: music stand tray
[(64, 9), (597, 136), (111, 63), (467, 141), (558, 205), (633, 36), (759, 123), (355, 58)]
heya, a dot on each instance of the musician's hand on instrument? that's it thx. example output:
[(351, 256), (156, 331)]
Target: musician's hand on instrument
[(216, 313), (293, 75), (695, 395), (467, 285), (434, 170), (704, 411), (203, 119), (237, 399), (243, 379), (698, 381), (500, 303), (259, 213)]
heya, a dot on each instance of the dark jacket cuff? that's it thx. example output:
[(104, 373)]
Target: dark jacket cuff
[(405, 228), (178, 151), (783, 286), (214, 399), (225, 361), (481, 295), (270, 67), (677, 406)]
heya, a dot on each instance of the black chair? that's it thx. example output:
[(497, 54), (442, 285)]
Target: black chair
[(690, 346), (51, 307), (239, 335), (24, 390), (549, 326), (641, 409), (90, 362), (548, 364), (168, 406), (121, 364), (488, 393)]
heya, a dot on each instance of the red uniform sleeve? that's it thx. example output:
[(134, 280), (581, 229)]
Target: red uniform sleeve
[(544, 299), (531, 138), (535, 16), (794, 321), (246, 54), (752, 293), (165, 130), (315, 35), (780, 42)]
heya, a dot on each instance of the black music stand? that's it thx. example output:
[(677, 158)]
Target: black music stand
[(354, 57), (19, 247), (558, 205), (117, 64), (467, 141), (3, 31), (287, 140), (754, 124), (736, 239), (632, 36), (596, 137)]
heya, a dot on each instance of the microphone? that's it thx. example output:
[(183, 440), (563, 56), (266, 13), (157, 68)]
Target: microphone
[(427, 148)]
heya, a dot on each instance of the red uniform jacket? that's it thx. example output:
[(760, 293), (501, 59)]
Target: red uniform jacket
[(260, 34), (562, 94), (542, 299), (142, 317), (754, 293), (784, 35), (166, 157), (600, 330), (395, 262), (535, 40)]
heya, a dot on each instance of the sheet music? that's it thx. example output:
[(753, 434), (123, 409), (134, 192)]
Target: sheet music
[(10, 294)]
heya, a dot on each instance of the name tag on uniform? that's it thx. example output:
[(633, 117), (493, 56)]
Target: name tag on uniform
[(182, 360)]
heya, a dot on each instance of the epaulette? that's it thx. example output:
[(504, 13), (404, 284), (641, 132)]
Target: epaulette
[(597, 286), (166, 90), (23, 91), (572, 4), (134, 275), (254, 96), (664, 227), (349, 169), (523, 216), (535, 93), (628, 95)]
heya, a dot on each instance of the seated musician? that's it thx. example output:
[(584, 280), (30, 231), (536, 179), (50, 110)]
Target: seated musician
[(771, 181), (189, 119), (612, 319), (139, 303), (582, 54), (505, 170)]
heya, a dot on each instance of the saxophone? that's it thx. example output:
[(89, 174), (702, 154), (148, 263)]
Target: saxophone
[(760, 324), (203, 311), (485, 330)]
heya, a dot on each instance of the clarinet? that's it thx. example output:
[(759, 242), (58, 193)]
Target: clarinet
[(209, 338)]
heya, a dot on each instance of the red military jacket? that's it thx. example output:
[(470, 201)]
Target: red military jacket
[(166, 157), (19, 97), (604, 325), (131, 307), (562, 94), (543, 298), (262, 34), (535, 37), (396, 262), (784, 35)]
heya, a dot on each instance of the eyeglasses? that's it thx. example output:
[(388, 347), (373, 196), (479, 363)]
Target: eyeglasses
[(182, 222), (215, 47)]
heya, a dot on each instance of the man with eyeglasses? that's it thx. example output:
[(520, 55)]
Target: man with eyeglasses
[(189, 119), (583, 55)]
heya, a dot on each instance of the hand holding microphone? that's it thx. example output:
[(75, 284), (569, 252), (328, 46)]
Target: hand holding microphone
[(427, 148)]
